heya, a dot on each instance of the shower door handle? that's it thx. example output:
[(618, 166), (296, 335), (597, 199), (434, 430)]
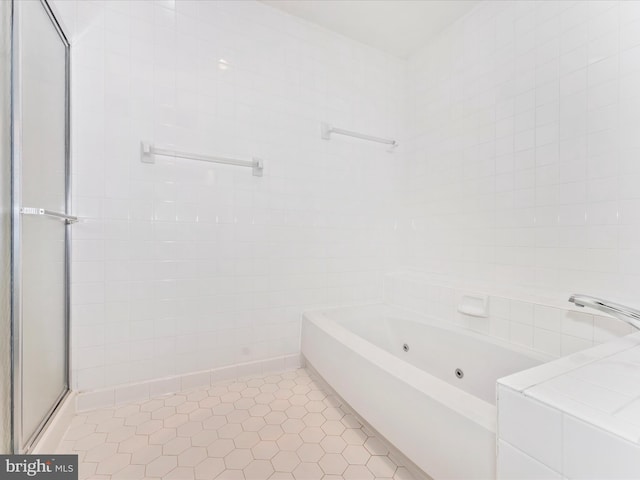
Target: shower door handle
[(68, 219)]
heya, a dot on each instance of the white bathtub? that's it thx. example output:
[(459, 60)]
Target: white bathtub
[(446, 425)]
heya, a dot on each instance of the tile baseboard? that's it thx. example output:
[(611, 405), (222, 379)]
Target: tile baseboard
[(121, 394)]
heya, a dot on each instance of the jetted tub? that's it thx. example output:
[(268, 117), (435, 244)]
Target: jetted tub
[(428, 387)]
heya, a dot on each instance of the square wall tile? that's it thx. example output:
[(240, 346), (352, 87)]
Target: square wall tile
[(531, 427), (589, 452), (513, 464)]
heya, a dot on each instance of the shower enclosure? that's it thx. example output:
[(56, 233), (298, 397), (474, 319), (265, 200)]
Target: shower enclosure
[(40, 221)]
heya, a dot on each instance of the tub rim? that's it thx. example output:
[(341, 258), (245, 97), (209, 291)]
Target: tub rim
[(469, 406), (422, 319)]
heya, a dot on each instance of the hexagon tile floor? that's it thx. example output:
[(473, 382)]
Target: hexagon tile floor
[(278, 426)]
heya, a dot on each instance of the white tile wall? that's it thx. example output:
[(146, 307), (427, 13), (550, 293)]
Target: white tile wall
[(535, 322), (518, 172), (522, 166), (183, 266)]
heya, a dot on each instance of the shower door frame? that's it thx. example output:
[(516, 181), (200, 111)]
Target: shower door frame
[(20, 441)]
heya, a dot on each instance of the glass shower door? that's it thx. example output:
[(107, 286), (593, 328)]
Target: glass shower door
[(40, 226)]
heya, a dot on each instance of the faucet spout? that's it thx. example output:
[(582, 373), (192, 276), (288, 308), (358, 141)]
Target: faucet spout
[(621, 312)]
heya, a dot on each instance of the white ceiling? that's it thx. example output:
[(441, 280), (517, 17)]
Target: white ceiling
[(398, 27)]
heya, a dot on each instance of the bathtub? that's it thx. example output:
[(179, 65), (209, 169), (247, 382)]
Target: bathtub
[(427, 387)]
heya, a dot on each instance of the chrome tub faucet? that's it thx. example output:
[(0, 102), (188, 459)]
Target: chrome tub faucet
[(621, 312)]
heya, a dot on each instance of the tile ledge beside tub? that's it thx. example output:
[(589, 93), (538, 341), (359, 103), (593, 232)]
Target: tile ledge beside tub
[(554, 419)]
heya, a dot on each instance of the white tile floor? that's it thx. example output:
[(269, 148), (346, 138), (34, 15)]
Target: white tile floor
[(280, 426)]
